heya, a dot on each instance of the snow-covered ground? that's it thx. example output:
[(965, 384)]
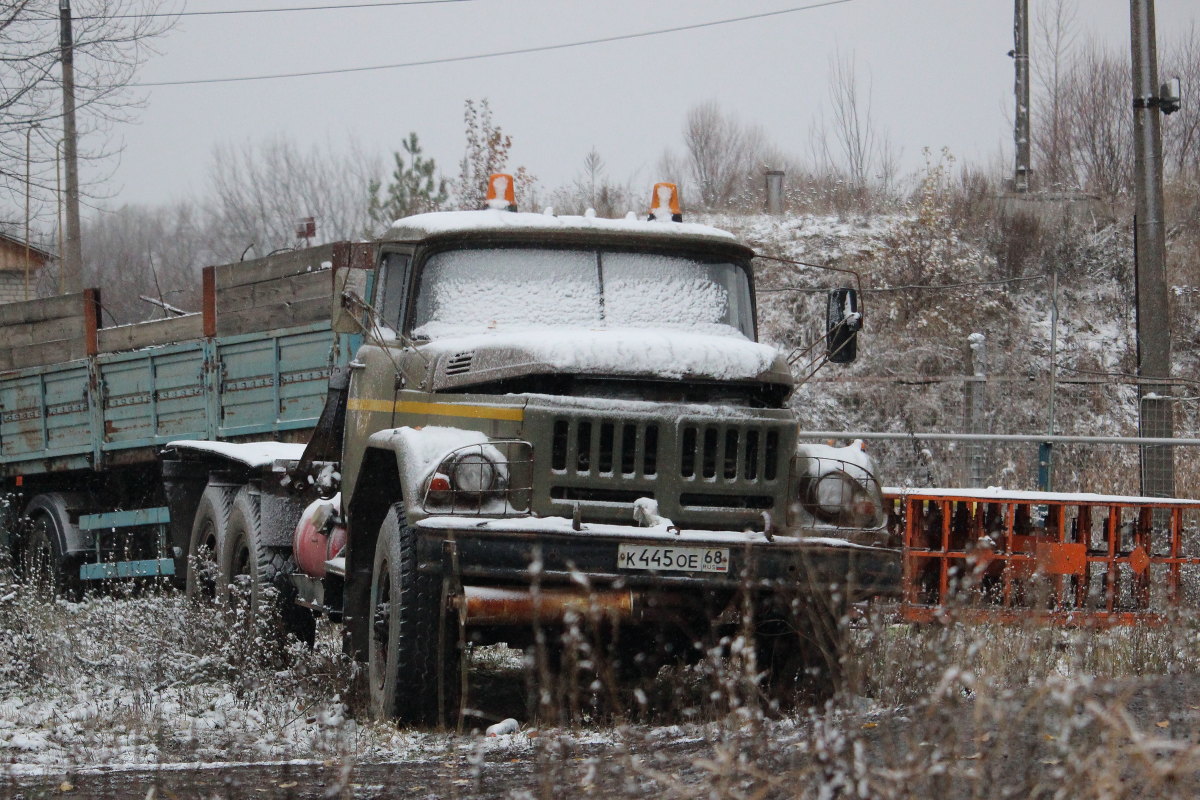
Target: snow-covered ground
[(181, 697)]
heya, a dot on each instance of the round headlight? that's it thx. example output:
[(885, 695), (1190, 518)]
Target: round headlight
[(831, 496), (839, 499), (473, 473)]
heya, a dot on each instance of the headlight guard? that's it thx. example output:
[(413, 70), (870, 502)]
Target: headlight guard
[(493, 478), (838, 493)]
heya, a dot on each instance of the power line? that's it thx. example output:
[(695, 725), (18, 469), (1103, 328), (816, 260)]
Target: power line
[(283, 10), (497, 53)]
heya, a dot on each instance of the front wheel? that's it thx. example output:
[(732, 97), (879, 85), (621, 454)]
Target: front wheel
[(414, 659), (802, 659)]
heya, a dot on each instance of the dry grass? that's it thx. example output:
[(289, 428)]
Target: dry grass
[(140, 676)]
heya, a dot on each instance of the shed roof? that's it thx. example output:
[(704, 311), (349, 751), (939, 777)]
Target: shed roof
[(15, 244)]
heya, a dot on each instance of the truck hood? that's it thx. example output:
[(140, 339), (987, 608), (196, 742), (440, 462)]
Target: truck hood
[(621, 352)]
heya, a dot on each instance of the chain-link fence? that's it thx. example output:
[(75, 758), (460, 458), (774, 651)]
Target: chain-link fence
[(1003, 425)]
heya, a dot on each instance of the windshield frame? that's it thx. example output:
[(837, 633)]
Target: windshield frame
[(702, 252)]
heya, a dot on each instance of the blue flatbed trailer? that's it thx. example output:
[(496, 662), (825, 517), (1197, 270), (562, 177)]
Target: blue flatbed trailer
[(85, 410)]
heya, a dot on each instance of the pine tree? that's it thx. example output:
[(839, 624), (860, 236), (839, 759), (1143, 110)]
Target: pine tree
[(415, 186)]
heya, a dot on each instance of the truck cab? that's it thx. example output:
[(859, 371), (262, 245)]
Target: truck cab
[(551, 413)]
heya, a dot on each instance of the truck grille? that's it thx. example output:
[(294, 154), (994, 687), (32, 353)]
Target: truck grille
[(627, 448), (729, 452), (702, 472)]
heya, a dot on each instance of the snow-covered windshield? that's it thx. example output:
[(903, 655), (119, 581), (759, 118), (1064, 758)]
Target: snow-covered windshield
[(475, 291)]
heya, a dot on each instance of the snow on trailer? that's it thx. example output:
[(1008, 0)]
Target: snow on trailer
[(1074, 558)]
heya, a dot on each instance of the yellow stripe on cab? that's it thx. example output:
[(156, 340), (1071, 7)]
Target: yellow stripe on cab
[(438, 409)]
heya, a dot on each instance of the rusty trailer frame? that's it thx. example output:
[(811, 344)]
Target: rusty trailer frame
[(994, 555)]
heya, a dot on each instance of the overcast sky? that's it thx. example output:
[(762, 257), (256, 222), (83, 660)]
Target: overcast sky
[(937, 69)]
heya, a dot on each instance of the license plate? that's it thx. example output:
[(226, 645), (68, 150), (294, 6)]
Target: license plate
[(686, 559)]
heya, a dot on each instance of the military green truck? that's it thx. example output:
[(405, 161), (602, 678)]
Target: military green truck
[(479, 426)]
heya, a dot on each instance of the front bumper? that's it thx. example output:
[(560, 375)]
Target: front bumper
[(548, 551)]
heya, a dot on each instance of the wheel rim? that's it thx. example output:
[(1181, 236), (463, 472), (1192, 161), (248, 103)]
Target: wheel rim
[(381, 619), (39, 556), (240, 588), (241, 560), (205, 563)]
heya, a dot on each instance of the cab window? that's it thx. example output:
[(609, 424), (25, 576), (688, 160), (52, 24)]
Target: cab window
[(391, 291)]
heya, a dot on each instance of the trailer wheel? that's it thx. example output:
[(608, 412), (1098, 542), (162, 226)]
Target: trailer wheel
[(802, 660), (41, 558), (10, 529), (411, 634), (264, 570), (209, 528)]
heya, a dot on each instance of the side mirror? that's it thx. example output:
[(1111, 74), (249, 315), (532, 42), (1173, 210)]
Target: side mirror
[(842, 324), (351, 262)]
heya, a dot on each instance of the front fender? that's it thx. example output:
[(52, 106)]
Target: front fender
[(418, 452)]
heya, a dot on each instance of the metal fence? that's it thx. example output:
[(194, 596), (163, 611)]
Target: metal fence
[(1102, 465)]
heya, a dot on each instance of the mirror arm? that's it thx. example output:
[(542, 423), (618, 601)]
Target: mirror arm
[(352, 299), (857, 277)]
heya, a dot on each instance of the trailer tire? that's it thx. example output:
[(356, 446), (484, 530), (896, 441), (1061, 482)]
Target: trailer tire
[(10, 529), (209, 528), (411, 634), (42, 559), (264, 570)]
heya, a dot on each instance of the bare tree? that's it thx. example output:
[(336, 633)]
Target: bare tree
[(721, 155), (593, 171), (1181, 130), (112, 38), (1096, 99), (592, 188), (1056, 32), (155, 252), (848, 143), (259, 193), (853, 128)]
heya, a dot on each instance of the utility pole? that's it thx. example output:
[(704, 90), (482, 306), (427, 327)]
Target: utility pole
[(1046, 449), (28, 187), (72, 256), (976, 409), (1150, 257), (1021, 118)]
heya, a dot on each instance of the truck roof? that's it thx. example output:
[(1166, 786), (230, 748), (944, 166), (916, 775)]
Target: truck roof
[(495, 222)]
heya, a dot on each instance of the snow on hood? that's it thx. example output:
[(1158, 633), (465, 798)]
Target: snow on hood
[(620, 351), (422, 225)]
